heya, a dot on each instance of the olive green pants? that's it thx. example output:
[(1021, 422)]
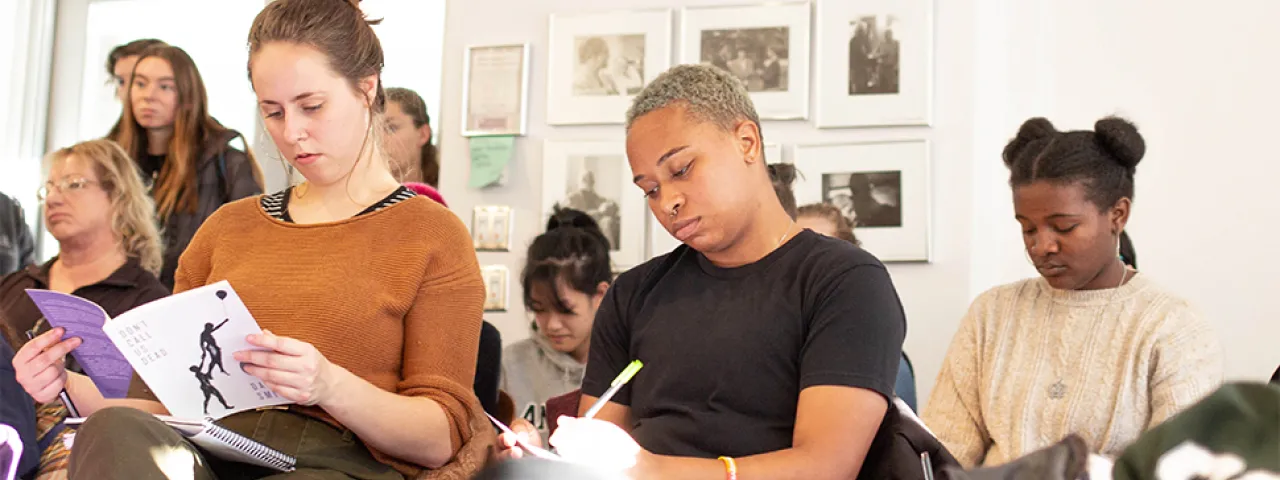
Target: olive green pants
[(124, 443)]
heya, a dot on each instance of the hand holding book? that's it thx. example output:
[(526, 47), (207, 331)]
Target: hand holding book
[(292, 368), (40, 366)]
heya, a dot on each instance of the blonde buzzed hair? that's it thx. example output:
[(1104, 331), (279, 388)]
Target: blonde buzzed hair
[(708, 93), (133, 212)]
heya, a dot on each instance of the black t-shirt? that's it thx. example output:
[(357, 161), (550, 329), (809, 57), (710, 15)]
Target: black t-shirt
[(727, 350)]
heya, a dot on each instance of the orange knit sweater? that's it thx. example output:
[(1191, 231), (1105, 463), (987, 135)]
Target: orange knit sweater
[(394, 296)]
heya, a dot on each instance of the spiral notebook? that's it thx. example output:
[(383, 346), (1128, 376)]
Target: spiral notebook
[(222, 443)]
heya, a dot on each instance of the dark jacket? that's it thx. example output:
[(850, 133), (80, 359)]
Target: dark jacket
[(17, 410), (223, 174), (17, 248), (128, 287)]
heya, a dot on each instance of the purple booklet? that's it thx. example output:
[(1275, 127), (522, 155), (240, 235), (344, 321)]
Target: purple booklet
[(98, 356)]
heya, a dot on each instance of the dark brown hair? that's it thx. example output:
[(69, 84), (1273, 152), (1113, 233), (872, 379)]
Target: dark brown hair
[(831, 213), (175, 186), (782, 175), (128, 50), (1103, 160), (574, 250), (413, 106), (337, 28)]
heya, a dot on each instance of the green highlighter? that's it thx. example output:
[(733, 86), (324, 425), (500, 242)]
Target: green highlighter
[(616, 385)]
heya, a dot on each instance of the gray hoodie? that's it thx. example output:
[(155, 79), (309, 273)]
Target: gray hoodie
[(532, 372)]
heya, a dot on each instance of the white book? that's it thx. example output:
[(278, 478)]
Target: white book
[(182, 347)]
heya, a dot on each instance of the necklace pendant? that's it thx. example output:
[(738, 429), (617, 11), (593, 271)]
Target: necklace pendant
[(1058, 390)]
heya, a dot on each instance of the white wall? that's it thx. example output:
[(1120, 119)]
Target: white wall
[(934, 294), (1201, 84)]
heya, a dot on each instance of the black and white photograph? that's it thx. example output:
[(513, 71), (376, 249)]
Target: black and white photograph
[(868, 199), (594, 177), (874, 63), (873, 55), (882, 188), (592, 186), (765, 46), (757, 56), (599, 61), (608, 65)]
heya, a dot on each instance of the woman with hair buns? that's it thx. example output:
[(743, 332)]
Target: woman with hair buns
[(1090, 346), (376, 348)]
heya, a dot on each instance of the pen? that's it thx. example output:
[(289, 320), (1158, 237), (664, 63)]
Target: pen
[(616, 385), (537, 452)]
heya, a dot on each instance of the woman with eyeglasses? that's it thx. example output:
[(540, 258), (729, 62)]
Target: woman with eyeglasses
[(97, 208)]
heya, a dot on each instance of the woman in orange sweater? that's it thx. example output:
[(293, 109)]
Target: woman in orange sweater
[(376, 347)]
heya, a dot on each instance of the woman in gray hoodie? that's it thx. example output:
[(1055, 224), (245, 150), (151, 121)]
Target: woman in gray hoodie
[(566, 274)]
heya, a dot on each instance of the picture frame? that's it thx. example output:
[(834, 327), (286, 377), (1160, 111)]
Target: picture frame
[(874, 63), (594, 176), (491, 228), (598, 62), (496, 279), (767, 46), (495, 90), (891, 178)]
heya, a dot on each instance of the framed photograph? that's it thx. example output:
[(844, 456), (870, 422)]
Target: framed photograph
[(883, 189), (491, 228), (874, 63), (594, 177), (495, 90), (600, 61), (765, 46), (495, 287)]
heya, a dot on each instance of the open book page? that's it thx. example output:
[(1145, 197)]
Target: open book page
[(182, 348), (98, 356)]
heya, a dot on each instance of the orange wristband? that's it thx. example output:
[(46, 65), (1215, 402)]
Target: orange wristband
[(730, 468)]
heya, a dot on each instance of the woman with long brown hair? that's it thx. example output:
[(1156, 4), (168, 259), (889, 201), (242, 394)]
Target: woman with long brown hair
[(182, 150), (408, 139), (376, 348)]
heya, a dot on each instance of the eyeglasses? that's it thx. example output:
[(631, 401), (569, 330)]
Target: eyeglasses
[(68, 186)]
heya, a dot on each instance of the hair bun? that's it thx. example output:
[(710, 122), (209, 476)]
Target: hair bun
[(1121, 139), (571, 218), (1031, 130)]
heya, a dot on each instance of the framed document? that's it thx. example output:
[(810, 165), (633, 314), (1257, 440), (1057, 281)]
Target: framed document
[(495, 94)]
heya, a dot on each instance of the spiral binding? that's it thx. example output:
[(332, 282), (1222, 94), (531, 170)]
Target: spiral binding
[(251, 447)]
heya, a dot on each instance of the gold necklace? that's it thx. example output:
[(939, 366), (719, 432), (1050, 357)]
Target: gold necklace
[(784, 235)]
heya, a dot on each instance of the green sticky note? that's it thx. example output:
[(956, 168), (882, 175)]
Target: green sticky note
[(489, 157)]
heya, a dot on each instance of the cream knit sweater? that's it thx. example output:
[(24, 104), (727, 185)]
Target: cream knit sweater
[(1031, 364)]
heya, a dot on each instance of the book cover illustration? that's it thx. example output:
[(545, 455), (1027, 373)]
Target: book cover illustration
[(181, 347)]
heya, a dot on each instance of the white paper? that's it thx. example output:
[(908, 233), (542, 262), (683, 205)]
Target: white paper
[(182, 348)]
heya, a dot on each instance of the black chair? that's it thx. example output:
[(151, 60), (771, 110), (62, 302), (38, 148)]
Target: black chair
[(489, 368), (905, 385)]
